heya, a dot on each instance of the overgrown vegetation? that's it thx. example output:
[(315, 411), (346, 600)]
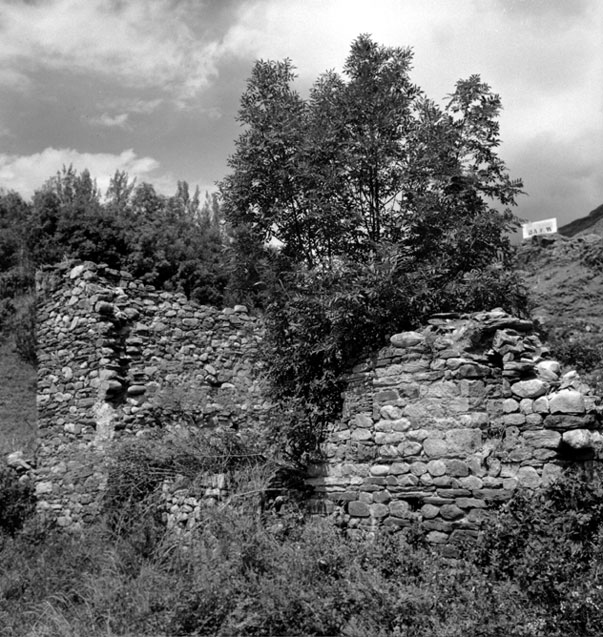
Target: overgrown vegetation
[(18, 428), (593, 256), (244, 571), (186, 457), (176, 243), (173, 243), (551, 545), (17, 501), (579, 346)]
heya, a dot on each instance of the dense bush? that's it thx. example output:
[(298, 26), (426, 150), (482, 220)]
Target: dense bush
[(140, 467), (175, 243), (237, 576), (325, 322), (16, 275), (17, 501), (24, 328), (593, 256), (7, 311), (576, 344), (579, 346), (550, 544)]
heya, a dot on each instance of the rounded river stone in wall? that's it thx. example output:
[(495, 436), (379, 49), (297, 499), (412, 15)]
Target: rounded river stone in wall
[(578, 439), (407, 339), (567, 401), (358, 509), (529, 388)]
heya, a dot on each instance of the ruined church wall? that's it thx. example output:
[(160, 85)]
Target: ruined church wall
[(438, 428), (445, 423), (116, 358)]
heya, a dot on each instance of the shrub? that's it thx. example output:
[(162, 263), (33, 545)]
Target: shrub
[(139, 468), (593, 256), (17, 501), (321, 323), (578, 345), (551, 545), (7, 311), (25, 329), (238, 575), (575, 345)]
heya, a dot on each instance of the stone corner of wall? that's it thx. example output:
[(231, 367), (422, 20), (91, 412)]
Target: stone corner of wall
[(449, 420)]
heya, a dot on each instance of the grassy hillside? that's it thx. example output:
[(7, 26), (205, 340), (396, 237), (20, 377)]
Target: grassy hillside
[(17, 400)]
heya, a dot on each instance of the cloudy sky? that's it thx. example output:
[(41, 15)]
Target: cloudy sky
[(152, 86)]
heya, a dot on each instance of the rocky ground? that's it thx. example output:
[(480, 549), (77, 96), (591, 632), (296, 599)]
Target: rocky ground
[(564, 279), (564, 276)]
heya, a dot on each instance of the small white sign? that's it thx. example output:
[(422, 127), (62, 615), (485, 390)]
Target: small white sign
[(533, 229)]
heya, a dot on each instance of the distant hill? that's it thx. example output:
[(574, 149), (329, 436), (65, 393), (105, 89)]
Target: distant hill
[(592, 223)]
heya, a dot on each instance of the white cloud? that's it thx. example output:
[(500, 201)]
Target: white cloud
[(111, 121), (27, 173), (136, 43), (451, 39), (317, 35), (134, 106)]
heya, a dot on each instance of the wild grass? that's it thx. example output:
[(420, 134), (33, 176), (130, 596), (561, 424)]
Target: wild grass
[(18, 428), (248, 571)]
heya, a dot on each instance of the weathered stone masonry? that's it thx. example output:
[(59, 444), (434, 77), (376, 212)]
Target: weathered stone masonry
[(437, 428), (110, 351), (446, 422)]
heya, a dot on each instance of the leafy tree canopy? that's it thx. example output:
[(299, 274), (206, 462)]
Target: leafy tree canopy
[(368, 159), (175, 243)]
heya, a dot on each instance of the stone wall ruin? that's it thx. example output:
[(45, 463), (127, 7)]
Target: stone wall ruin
[(112, 351), (438, 428), (446, 422)]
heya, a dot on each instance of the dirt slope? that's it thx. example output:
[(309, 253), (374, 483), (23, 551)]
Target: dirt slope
[(564, 279)]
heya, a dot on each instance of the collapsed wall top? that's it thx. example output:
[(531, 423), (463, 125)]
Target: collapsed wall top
[(447, 421)]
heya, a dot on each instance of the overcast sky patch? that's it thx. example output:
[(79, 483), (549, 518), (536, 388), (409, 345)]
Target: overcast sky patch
[(30, 172), (164, 79)]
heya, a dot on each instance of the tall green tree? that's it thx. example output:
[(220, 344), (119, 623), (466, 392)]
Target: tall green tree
[(367, 159), (119, 194), (265, 190), (69, 220)]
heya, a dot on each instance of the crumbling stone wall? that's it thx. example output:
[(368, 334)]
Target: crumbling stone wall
[(446, 422), (117, 357), (437, 428)]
